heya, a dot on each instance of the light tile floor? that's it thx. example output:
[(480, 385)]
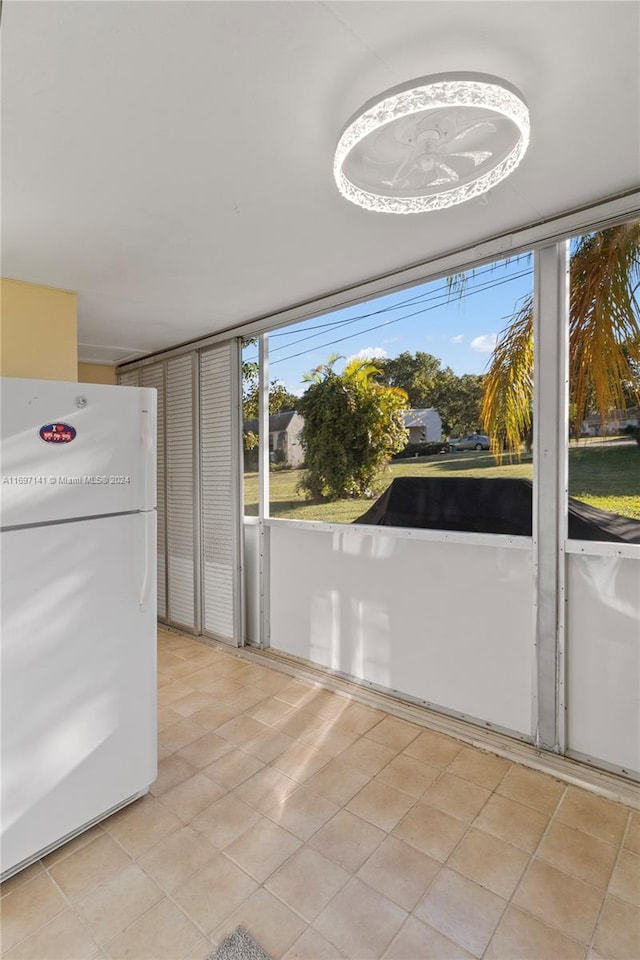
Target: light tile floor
[(331, 830)]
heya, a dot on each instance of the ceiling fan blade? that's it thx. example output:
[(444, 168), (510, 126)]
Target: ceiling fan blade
[(478, 156), (486, 125), (452, 174)]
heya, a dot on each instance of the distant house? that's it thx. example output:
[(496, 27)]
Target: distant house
[(616, 421), (423, 425), (284, 440), (284, 435)]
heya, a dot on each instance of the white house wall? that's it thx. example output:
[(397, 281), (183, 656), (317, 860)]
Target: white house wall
[(449, 623)]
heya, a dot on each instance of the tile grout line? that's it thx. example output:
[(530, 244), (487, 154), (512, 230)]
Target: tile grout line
[(602, 891), (165, 894), (309, 924), (364, 734), (46, 871), (470, 826), (95, 940), (222, 852), (608, 887), (390, 833), (418, 799), (460, 841), (525, 872), (585, 777)]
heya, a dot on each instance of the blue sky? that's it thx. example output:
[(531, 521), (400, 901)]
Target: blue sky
[(461, 332)]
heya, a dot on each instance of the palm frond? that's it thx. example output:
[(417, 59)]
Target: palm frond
[(604, 326), (322, 371), (508, 385), (604, 341)]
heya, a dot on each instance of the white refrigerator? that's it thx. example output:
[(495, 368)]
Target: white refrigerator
[(78, 609)]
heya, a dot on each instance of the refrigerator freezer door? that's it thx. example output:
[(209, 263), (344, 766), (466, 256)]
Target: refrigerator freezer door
[(78, 684), (104, 463)]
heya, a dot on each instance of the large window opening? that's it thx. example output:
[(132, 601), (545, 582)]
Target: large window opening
[(420, 394)]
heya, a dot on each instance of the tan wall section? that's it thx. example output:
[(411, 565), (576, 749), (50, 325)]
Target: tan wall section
[(96, 373), (38, 331)]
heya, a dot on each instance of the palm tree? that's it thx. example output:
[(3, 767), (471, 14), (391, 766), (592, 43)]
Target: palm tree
[(604, 341)]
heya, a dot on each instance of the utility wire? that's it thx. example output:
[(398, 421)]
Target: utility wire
[(480, 288), (377, 326), (425, 298), (442, 291)]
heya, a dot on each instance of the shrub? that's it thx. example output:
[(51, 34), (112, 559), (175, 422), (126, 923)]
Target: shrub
[(632, 431), (352, 427), (422, 449)]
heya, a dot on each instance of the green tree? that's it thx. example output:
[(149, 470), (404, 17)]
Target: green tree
[(279, 397), (458, 400), (352, 426), (604, 341), (279, 400), (417, 374)]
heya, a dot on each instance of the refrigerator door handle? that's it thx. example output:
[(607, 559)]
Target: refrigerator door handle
[(149, 478), (149, 558)]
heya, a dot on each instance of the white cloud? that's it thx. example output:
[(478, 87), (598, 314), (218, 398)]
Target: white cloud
[(458, 338), (485, 343), (369, 353)]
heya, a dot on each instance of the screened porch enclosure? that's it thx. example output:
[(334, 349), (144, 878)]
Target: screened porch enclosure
[(537, 638)]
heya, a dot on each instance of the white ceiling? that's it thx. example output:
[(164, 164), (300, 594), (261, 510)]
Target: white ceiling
[(172, 161)]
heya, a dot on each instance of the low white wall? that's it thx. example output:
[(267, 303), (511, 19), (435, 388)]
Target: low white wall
[(603, 658), (251, 566), (445, 618)]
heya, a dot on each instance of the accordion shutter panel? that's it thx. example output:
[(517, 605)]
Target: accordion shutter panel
[(181, 504), (219, 455), (154, 376)]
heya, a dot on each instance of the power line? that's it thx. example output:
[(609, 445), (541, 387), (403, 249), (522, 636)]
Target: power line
[(386, 323), (423, 298), (480, 288)]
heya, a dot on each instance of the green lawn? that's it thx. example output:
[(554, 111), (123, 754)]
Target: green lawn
[(604, 476)]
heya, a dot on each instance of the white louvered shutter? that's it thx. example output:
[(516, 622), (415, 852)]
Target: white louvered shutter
[(180, 503), (153, 376), (130, 378), (219, 454)]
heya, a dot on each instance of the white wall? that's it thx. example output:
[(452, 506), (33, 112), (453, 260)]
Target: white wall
[(251, 560), (603, 658), (445, 618)]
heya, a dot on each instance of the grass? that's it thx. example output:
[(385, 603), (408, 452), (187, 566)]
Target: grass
[(607, 477)]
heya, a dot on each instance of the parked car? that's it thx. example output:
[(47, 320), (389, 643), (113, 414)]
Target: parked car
[(474, 441)]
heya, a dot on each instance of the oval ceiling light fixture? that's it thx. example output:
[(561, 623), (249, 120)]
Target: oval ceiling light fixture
[(432, 143)]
